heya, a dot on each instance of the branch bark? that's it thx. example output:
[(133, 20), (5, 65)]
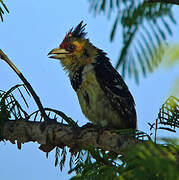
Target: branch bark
[(175, 2), (61, 135)]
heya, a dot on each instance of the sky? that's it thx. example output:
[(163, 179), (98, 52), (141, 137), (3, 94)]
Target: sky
[(28, 33)]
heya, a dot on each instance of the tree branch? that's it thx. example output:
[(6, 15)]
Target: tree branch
[(4, 57), (61, 135), (175, 2)]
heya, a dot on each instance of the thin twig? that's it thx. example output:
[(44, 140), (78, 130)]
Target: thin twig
[(4, 57), (156, 128), (174, 2)]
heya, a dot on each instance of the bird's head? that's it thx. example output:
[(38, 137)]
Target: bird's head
[(75, 50)]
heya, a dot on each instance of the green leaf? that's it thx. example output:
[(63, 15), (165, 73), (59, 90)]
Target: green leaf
[(168, 115), (142, 21), (114, 28), (5, 7), (1, 10)]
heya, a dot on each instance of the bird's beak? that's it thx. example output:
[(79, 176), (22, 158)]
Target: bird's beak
[(58, 53)]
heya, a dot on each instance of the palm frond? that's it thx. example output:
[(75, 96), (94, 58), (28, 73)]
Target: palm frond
[(10, 106), (145, 27), (149, 160), (168, 115), (3, 8)]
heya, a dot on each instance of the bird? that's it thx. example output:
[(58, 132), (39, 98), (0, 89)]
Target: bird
[(103, 95)]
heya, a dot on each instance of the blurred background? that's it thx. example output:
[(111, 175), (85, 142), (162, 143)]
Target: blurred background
[(29, 32)]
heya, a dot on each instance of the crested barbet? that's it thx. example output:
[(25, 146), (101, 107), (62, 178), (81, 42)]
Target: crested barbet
[(103, 95)]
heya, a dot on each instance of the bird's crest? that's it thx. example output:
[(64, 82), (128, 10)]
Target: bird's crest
[(77, 32)]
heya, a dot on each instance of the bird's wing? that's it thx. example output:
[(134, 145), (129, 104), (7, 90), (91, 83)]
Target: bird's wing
[(117, 91)]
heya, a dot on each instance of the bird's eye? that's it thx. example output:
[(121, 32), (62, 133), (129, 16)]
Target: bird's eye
[(70, 47)]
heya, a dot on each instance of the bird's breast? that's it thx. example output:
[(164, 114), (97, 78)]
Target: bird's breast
[(94, 104), (90, 96)]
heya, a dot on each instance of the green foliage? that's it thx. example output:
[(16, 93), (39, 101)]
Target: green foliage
[(169, 114), (151, 161), (144, 27), (60, 157), (3, 6), (143, 161), (171, 55), (9, 106), (96, 164), (168, 117)]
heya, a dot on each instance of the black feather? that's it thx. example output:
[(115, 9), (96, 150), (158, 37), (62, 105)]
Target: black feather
[(78, 31), (77, 79), (115, 89)]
